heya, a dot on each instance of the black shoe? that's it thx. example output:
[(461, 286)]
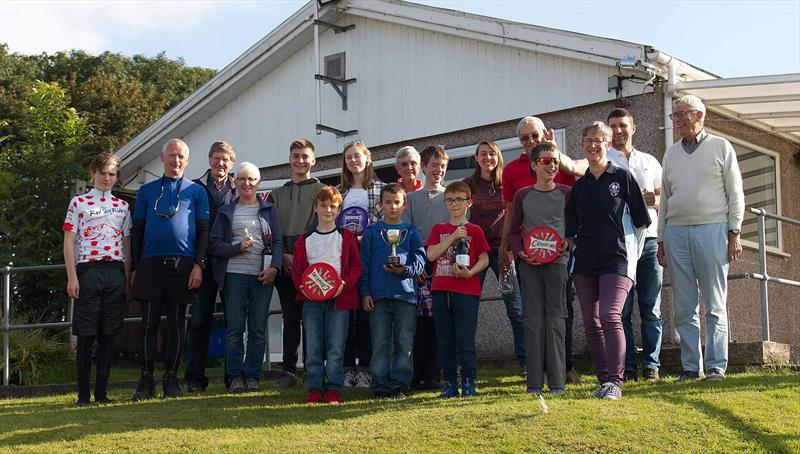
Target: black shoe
[(145, 389), (170, 384), (102, 399), (285, 380), (82, 402), (195, 386), (381, 396), (399, 394), (432, 384), (629, 375), (689, 376)]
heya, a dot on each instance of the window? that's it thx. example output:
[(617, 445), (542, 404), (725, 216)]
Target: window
[(761, 181)]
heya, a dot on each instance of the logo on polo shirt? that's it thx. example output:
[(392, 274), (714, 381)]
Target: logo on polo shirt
[(613, 189)]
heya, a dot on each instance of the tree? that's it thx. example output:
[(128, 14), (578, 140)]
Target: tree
[(37, 172), (56, 112)]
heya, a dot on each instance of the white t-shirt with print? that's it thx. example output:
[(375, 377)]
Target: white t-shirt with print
[(100, 221)]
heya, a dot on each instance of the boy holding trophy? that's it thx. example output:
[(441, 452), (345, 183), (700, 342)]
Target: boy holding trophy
[(392, 256)]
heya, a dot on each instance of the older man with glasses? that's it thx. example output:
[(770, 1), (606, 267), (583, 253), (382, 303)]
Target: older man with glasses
[(702, 207), (169, 244)]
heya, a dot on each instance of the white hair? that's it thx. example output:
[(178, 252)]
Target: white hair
[(406, 151), (248, 168), (177, 142), (692, 102), (531, 121)]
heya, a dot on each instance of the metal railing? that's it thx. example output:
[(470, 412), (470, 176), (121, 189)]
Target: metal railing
[(7, 327), (763, 276)]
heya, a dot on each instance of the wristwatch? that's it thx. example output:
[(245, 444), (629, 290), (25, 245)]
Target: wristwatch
[(735, 231), (201, 263)]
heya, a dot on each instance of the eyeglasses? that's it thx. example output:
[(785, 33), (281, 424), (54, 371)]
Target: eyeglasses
[(455, 200), (247, 179), (590, 142), (681, 114), (527, 137), (548, 161)]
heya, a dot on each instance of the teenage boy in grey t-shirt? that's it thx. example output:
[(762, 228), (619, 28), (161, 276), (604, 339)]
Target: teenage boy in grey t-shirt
[(544, 312), (425, 208)]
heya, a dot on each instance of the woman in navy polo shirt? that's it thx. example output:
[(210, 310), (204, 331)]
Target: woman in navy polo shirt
[(605, 215)]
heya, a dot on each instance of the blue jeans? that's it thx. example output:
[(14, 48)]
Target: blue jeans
[(392, 364), (697, 257), (648, 292), (325, 330), (247, 306), (513, 303), (455, 316)]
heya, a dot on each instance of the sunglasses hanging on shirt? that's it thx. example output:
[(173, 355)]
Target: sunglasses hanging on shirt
[(170, 209)]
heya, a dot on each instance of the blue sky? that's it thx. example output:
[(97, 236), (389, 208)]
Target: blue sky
[(728, 38)]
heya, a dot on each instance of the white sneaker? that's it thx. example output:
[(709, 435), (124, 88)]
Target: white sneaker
[(362, 379), (350, 378)]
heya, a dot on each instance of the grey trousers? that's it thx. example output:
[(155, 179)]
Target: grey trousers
[(544, 313)]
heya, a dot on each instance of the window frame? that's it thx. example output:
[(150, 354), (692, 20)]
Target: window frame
[(779, 250)]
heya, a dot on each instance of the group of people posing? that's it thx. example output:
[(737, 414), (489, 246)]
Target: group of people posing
[(409, 262)]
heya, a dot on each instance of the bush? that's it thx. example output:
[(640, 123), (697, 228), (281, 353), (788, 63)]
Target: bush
[(29, 351)]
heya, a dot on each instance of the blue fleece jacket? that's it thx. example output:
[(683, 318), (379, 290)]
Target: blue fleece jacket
[(376, 282)]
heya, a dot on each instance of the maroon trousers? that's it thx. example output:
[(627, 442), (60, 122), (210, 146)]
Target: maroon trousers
[(602, 298)]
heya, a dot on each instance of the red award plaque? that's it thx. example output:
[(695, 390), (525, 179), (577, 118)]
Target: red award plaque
[(541, 244), (320, 281)]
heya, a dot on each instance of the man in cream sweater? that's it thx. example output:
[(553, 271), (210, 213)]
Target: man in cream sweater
[(702, 206)]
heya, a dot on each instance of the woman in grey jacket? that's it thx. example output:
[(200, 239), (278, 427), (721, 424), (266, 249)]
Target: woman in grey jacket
[(247, 247)]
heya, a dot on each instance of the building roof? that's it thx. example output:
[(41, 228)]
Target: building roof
[(296, 32)]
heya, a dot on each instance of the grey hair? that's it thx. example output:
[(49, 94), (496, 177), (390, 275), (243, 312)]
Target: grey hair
[(692, 102), (248, 168), (406, 151), (530, 121), (596, 126), (178, 142)]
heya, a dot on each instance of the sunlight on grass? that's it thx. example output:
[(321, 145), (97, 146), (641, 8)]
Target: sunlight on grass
[(756, 411)]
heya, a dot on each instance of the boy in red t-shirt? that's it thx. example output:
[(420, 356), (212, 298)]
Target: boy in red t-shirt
[(456, 289)]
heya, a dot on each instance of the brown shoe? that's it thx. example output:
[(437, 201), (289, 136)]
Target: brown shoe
[(573, 378), (650, 375)]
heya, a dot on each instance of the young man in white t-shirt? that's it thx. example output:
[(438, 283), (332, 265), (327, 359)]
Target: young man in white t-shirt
[(97, 272)]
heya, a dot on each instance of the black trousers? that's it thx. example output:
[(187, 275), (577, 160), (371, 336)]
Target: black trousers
[(202, 318), (426, 363), (161, 286), (292, 320)]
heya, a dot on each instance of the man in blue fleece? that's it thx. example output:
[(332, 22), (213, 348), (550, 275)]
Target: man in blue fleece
[(388, 294)]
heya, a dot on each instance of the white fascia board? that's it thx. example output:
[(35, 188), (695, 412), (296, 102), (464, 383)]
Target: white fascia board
[(738, 82), (153, 135), (551, 41)]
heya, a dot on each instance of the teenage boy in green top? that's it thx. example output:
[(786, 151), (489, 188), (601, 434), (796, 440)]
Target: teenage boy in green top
[(295, 202), (425, 208)]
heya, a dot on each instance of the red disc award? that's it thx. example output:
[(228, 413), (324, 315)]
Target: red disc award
[(541, 244), (320, 281)]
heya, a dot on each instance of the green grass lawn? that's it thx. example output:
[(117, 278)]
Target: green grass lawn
[(756, 411)]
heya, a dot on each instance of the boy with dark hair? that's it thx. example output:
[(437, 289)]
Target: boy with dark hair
[(544, 292), (460, 252), (388, 293), (100, 224), (295, 202), (326, 322), (425, 208)]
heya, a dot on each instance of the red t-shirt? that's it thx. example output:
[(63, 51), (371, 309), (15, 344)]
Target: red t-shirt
[(517, 175), (443, 278)]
